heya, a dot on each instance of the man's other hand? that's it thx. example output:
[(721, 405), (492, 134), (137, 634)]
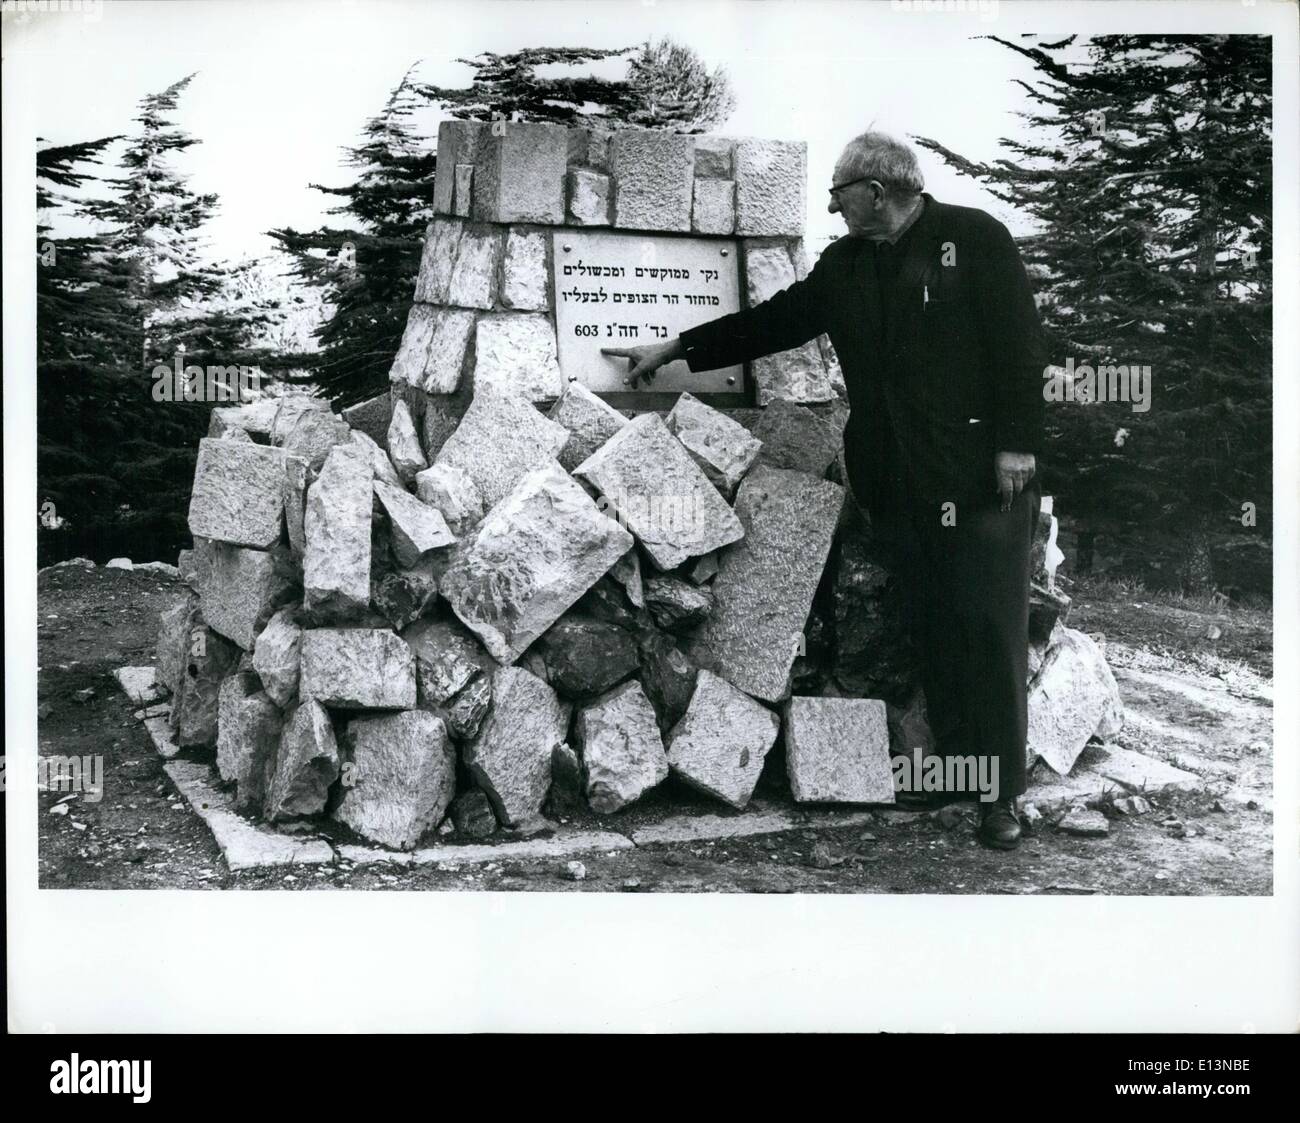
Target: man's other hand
[(1014, 470), (648, 359)]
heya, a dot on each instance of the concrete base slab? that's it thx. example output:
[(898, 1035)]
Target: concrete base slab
[(563, 844), (160, 732), (140, 684), (243, 845), (702, 828)]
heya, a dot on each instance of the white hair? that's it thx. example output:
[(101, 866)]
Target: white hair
[(879, 156)]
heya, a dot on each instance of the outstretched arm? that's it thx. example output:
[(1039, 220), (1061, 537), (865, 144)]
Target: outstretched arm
[(793, 316)]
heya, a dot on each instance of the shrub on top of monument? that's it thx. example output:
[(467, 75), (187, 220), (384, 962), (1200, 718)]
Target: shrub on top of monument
[(649, 482), (501, 439), (766, 581), (537, 551), (237, 495)]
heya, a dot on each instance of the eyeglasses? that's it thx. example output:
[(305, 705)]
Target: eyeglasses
[(835, 191)]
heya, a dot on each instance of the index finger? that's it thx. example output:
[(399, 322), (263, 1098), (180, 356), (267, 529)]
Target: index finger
[(618, 352)]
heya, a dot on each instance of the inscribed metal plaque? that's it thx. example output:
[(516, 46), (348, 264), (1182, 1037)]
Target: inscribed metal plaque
[(626, 290)]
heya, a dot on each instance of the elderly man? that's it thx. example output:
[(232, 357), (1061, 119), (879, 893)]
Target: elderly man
[(934, 322)]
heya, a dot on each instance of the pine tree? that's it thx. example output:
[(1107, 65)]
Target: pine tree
[(1148, 171), (115, 462), (368, 268)]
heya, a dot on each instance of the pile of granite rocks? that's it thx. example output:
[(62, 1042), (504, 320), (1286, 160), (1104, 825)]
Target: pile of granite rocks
[(560, 608)]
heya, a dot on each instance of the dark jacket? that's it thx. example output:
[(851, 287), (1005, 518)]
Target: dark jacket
[(957, 339)]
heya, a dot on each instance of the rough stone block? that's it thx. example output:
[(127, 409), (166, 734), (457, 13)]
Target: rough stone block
[(458, 143), (209, 659), (647, 477), (296, 474), (357, 669), (238, 495), (1068, 700), (723, 448), (677, 605), (448, 658), (463, 202), (713, 157), (404, 451), (584, 657), (403, 777), (721, 742), (797, 375), (535, 553), (472, 815), (450, 491), (627, 572), (253, 419), (431, 355), (240, 589), (515, 352), (173, 646), (402, 596), (306, 765), (837, 750), (523, 272), (510, 757), (764, 588), (769, 268), (713, 206), (668, 677), (589, 420), (442, 415), (500, 440), (372, 416), (382, 467), (589, 197), (290, 408), (654, 174), (622, 750), (416, 527), (336, 563), (459, 263), (519, 175), (313, 434), (467, 710), (794, 437), (276, 656), (771, 186), (248, 733)]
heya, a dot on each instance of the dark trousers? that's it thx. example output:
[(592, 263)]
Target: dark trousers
[(967, 596)]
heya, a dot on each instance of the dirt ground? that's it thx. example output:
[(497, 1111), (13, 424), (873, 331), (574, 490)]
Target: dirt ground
[(1195, 677)]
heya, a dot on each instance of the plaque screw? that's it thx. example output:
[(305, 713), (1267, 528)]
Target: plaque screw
[(724, 253), (731, 381), (567, 248), (626, 381)]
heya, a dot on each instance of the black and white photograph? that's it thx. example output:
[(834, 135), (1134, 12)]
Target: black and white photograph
[(655, 460)]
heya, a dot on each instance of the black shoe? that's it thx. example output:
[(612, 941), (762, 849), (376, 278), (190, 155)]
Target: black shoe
[(999, 825)]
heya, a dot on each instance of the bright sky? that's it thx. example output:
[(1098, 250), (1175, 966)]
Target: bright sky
[(283, 84)]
